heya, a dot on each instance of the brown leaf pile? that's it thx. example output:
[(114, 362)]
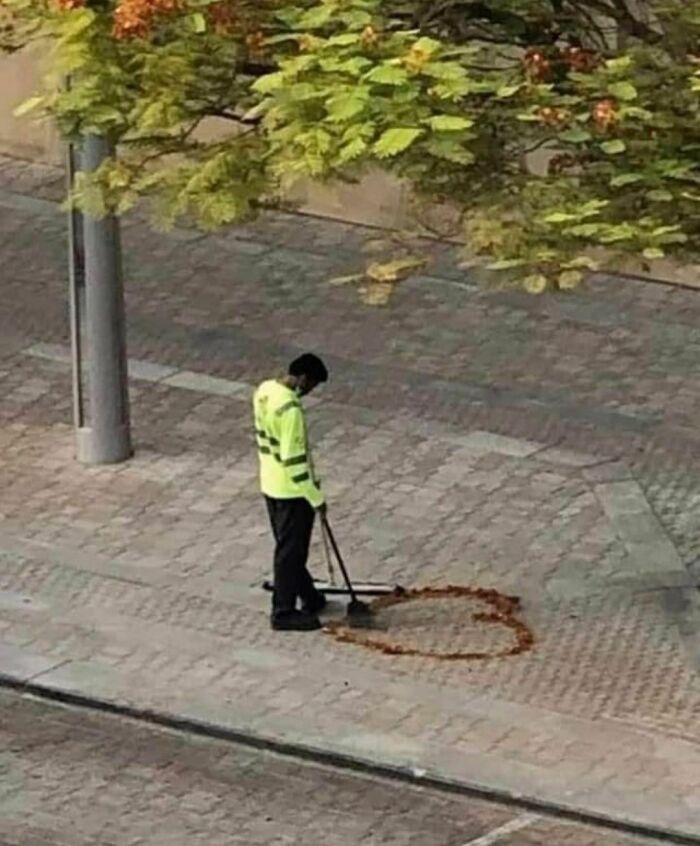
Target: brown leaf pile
[(503, 612)]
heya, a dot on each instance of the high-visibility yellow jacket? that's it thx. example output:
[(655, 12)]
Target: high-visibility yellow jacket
[(286, 466)]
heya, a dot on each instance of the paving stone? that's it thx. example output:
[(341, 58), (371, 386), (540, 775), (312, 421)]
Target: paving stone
[(207, 384), (149, 371), (26, 203), (490, 442), (87, 678), (648, 545), (22, 664), (569, 458), (51, 352), (11, 601)]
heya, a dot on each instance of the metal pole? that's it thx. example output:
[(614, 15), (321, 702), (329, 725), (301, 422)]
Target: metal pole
[(106, 437)]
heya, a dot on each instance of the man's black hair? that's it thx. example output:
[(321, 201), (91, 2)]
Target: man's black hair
[(309, 365)]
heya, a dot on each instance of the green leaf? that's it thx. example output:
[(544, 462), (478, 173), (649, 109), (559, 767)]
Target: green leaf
[(506, 91), (576, 136), (359, 130), (77, 22), (569, 279), (427, 45), (592, 208), (653, 253), (71, 58), (353, 150), (317, 17), (613, 148), (282, 39), (269, 83), (623, 179), (153, 116), (303, 91), (615, 234), (585, 230), (665, 230), (344, 40), (619, 64), (505, 264), (395, 141), (536, 283), (199, 22), (673, 238), (388, 75), (560, 217), (106, 115), (345, 106), (28, 106), (449, 123), (660, 196), (293, 67), (636, 112), (623, 91), (583, 261), (452, 89), (356, 19), (443, 147), (395, 269), (405, 94), (354, 67), (353, 279), (445, 71)]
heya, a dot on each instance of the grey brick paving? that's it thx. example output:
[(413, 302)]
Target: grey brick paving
[(76, 778), (545, 447)]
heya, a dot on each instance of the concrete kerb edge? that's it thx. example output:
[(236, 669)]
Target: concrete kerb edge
[(365, 766)]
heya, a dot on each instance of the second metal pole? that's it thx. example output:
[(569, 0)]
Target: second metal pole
[(105, 437), (76, 289)]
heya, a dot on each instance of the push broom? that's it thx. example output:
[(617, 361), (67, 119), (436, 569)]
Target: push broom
[(359, 613)]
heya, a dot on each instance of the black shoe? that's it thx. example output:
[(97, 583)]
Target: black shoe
[(316, 605), (295, 621)]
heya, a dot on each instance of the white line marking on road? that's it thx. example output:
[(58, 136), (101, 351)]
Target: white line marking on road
[(510, 827)]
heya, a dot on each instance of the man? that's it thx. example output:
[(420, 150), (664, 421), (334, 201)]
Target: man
[(291, 490)]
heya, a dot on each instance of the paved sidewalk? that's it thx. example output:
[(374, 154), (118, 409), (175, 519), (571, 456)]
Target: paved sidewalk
[(545, 448), (72, 777)]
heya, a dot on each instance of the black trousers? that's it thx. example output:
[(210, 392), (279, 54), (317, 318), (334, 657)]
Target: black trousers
[(292, 524)]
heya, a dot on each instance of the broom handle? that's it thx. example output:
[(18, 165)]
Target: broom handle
[(329, 560), (339, 557)]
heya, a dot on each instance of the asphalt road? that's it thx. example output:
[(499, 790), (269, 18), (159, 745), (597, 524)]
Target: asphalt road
[(71, 778)]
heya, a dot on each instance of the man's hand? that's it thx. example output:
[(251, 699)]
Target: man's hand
[(322, 509)]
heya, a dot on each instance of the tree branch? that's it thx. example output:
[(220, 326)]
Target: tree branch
[(576, 20), (242, 120), (618, 11)]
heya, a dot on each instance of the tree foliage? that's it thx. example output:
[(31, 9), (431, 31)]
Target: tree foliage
[(556, 128)]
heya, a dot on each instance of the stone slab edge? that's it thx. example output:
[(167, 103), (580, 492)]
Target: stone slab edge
[(250, 737), (479, 442)]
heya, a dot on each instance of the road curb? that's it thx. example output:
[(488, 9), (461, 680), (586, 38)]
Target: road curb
[(366, 766)]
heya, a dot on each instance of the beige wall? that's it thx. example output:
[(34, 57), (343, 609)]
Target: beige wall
[(378, 200), (20, 77)]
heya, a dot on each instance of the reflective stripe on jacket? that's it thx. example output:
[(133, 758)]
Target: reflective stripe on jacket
[(286, 466)]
